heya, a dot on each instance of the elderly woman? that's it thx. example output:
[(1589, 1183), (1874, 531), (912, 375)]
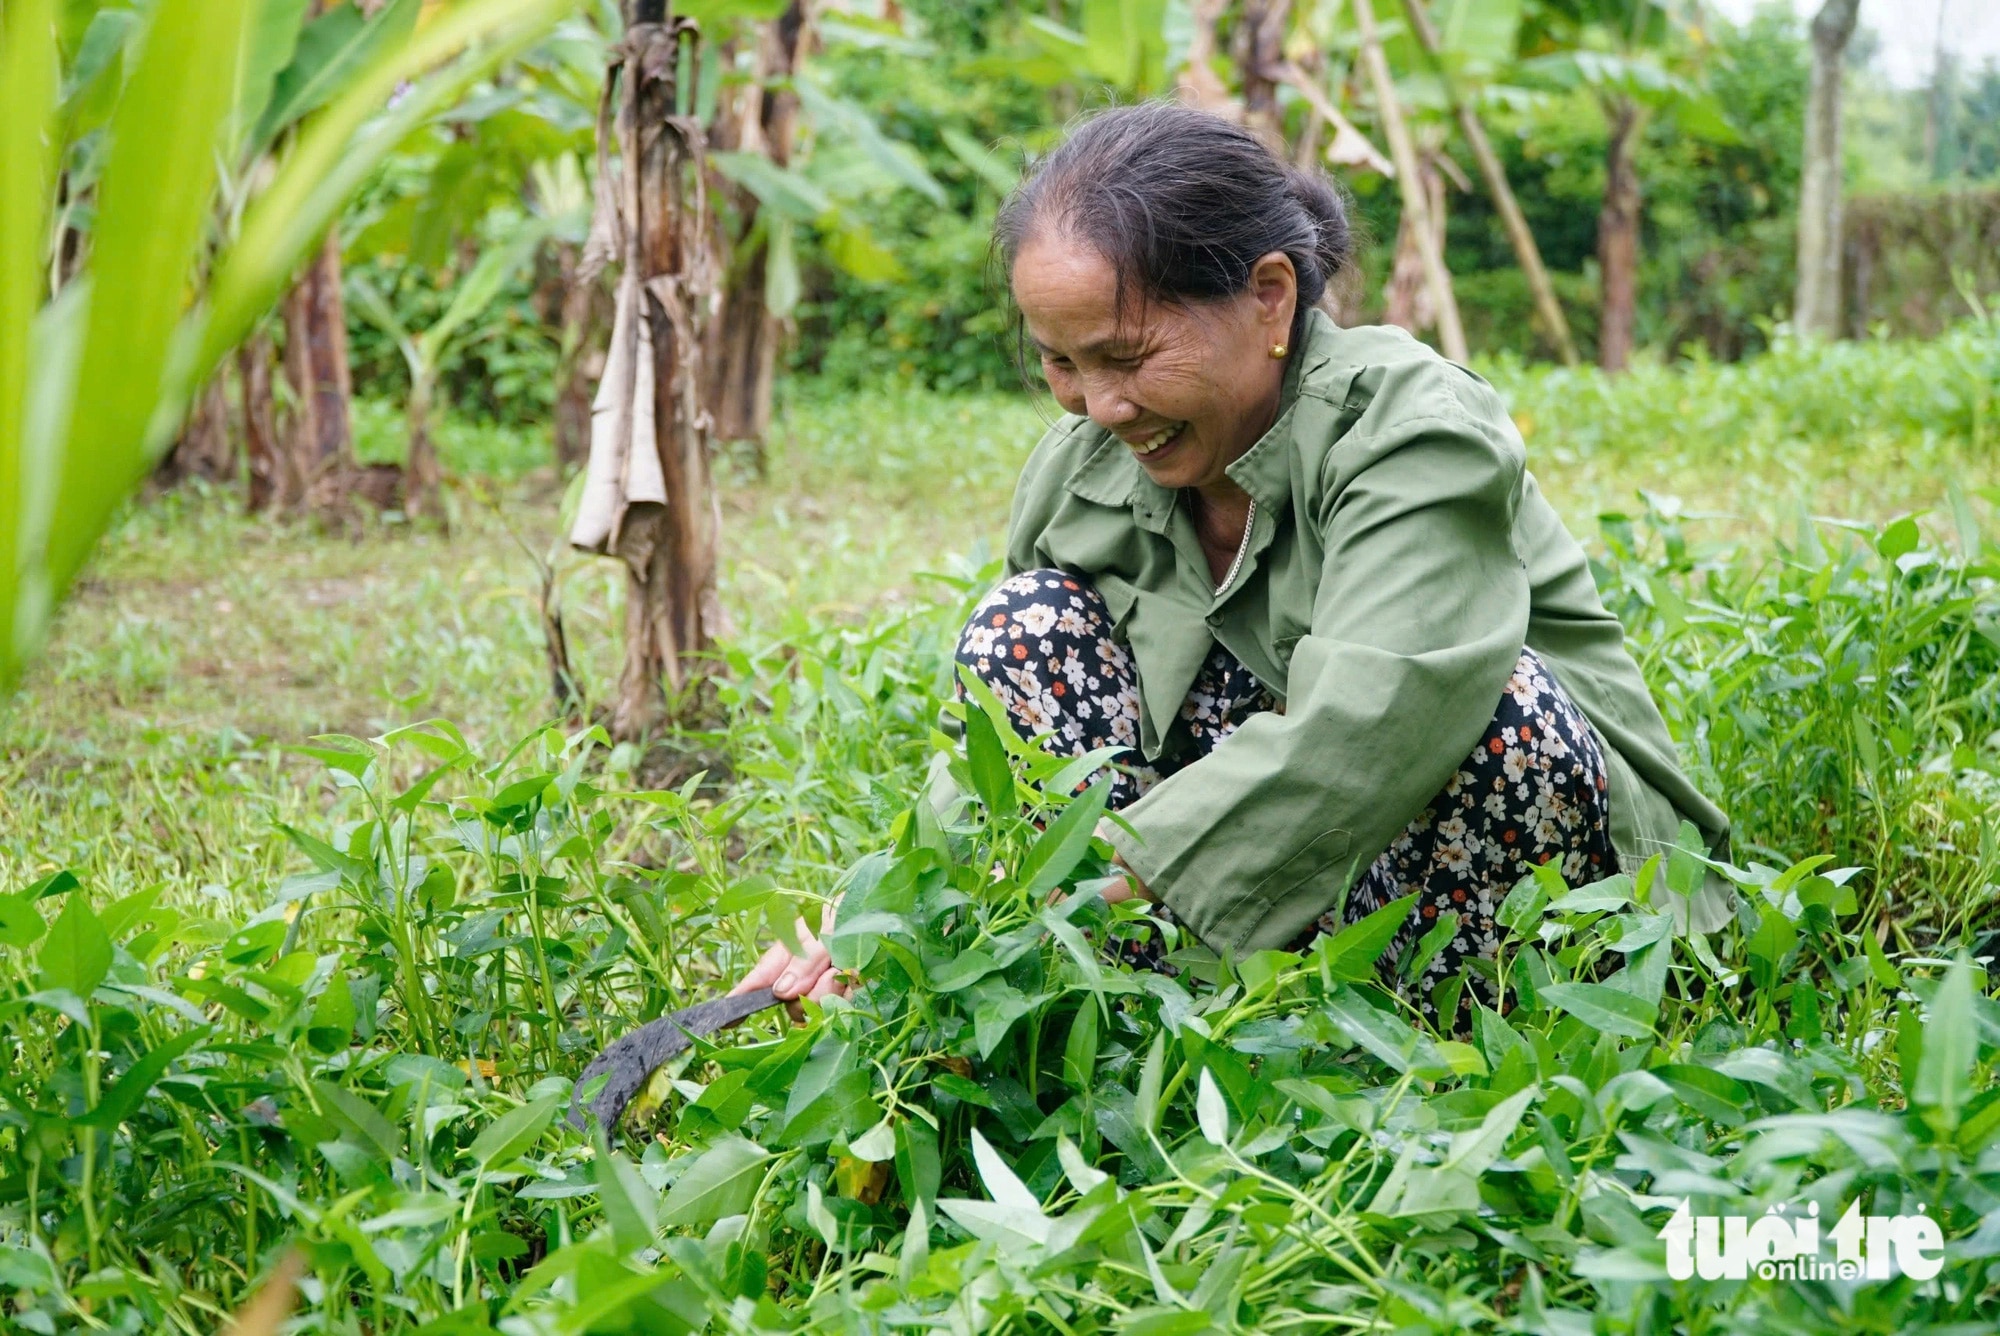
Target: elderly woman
[(1300, 571)]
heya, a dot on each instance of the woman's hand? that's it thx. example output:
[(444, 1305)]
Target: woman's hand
[(789, 977), (1126, 888), (1131, 886)]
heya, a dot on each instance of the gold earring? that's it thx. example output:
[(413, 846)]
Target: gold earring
[(1278, 351)]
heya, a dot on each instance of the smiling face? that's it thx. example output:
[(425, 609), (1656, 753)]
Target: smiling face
[(1187, 388)]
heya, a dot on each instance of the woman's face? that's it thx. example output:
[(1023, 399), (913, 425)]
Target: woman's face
[(1188, 389)]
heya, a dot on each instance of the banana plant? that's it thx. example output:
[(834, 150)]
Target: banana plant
[(95, 375), (825, 195), (424, 353), (1637, 59)]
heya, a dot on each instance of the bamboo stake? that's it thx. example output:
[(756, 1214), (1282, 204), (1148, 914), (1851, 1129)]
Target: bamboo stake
[(1450, 332), (1494, 174)]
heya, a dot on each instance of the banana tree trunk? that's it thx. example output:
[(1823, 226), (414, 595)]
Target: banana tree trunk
[(423, 492), (318, 443), (1407, 299), (1260, 50), (206, 447), (648, 497), (742, 352), (1618, 237), (1198, 84), (1416, 208), (1526, 253), (577, 305), (260, 430), (1816, 303)]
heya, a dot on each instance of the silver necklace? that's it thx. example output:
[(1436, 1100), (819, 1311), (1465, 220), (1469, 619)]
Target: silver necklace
[(1242, 548)]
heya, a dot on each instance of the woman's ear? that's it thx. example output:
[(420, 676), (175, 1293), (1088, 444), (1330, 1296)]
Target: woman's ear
[(1274, 285)]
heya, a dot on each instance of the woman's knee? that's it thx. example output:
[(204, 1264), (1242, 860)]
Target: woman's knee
[(1025, 612)]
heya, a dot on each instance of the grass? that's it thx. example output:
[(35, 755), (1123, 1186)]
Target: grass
[(372, 967)]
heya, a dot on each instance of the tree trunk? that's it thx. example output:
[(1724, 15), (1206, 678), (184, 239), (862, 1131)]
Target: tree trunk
[(742, 352), (576, 310), (1526, 253), (1816, 304), (318, 442), (649, 497), (1451, 333), (1407, 301), (206, 447), (1260, 53), (1618, 237), (423, 492), (1198, 84), (260, 431)]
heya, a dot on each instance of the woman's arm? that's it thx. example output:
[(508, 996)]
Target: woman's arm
[(1421, 610)]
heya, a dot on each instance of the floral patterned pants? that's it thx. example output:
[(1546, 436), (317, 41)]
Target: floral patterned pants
[(1533, 791)]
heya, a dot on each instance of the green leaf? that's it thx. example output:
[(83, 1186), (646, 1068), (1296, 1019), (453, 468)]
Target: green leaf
[(629, 1203), (1760, 1066), (1057, 850), (1080, 1051), (29, 72), (333, 1015), (1950, 1050), (898, 161), (850, 245), (152, 216), (76, 954), (1522, 909), (1603, 1008), (994, 1014), (782, 285), (1768, 946), (123, 1099), (1210, 1113), (1433, 942), (1151, 1071), (1388, 1037), (1715, 1096), (1878, 963), (356, 1114), (56, 883), (918, 1166), (845, 1106), (987, 165), (510, 1135), (780, 189), (722, 1182), (333, 48), (21, 923), (269, 45), (960, 1088), (718, 11), (992, 778), (1352, 952), (439, 61), (1478, 35), (326, 858), (1898, 539), (478, 290)]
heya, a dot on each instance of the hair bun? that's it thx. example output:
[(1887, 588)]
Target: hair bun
[(1327, 208)]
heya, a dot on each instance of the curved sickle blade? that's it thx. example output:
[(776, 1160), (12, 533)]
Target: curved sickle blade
[(631, 1061)]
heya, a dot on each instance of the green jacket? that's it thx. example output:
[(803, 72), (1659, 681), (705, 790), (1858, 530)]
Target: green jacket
[(1400, 558)]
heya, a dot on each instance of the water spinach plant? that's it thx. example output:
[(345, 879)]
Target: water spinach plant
[(1003, 1129)]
